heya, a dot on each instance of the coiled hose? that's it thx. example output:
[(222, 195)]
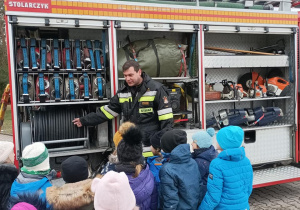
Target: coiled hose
[(56, 124)]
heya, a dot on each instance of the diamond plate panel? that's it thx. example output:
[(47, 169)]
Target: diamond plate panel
[(271, 145), (246, 61), (275, 174)]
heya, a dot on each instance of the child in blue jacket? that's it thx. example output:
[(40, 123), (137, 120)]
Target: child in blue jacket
[(180, 179), (204, 153), (155, 162), (35, 175), (230, 176)]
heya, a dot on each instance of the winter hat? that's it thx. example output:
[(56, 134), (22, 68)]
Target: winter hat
[(204, 138), (117, 138), (35, 159), (113, 192), (130, 149), (5, 149), (230, 137), (74, 169), (172, 139), (155, 139), (123, 128), (23, 206)]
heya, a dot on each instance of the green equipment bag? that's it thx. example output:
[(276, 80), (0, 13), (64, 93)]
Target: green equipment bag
[(157, 57)]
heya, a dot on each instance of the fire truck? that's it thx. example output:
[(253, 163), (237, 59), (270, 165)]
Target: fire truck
[(235, 66)]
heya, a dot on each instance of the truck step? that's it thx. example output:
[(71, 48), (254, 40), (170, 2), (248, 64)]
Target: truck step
[(273, 176)]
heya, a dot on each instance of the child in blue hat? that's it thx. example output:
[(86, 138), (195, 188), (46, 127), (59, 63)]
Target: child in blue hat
[(204, 153), (230, 178)]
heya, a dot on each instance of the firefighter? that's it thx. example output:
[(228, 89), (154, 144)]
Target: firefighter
[(141, 100)]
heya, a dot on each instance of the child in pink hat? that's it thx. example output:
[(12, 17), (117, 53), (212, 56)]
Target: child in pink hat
[(113, 192)]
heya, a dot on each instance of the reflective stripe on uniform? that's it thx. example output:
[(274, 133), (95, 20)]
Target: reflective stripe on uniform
[(106, 113), (122, 100), (115, 114), (147, 98), (124, 97), (150, 93), (164, 111), (165, 116)]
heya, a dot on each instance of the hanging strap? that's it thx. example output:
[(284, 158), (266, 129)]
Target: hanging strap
[(32, 54), (86, 86), (25, 88), (99, 69), (191, 52), (183, 63), (43, 55), (42, 95), (25, 68), (68, 57), (56, 87), (89, 46), (97, 54), (56, 58), (25, 54), (78, 55), (68, 65), (56, 75)]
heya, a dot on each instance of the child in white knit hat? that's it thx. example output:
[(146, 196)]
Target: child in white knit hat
[(8, 171), (113, 192), (35, 174)]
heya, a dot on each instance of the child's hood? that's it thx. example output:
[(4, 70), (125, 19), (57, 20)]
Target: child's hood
[(181, 154), (208, 154), (236, 154)]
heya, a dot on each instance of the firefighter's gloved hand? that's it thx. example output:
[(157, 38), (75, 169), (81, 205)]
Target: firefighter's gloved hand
[(77, 122)]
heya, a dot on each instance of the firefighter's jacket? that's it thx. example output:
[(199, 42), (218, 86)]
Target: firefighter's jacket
[(149, 109)]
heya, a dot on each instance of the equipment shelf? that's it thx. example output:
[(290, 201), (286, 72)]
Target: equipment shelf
[(241, 61), (65, 102), (246, 99)]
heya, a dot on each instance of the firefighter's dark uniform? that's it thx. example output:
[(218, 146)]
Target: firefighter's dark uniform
[(148, 106)]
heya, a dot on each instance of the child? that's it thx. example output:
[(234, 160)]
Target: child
[(155, 162), (113, 158), (204, 153), (113, 192), (74, 169), (230, 176), (35, 174), (180, 179), (76, 194), (131, 161), (8, 171)]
